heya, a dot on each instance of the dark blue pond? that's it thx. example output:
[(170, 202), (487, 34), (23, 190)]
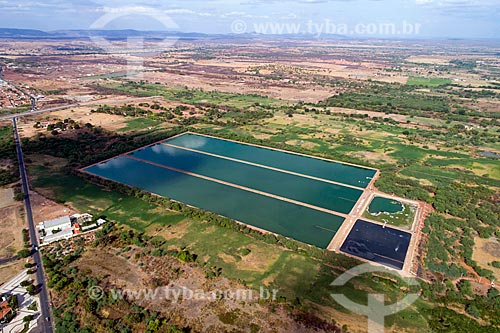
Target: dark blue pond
[(373, 242)]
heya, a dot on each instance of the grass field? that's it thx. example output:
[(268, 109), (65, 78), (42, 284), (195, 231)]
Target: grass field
[(139, 124), (427, 82), (86, 197)]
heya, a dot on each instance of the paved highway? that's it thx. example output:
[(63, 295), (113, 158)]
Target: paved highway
[(45, 324), (6, 261)]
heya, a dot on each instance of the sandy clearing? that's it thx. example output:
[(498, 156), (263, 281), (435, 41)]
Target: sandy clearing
[(104, 263), (485, 252), (11, 224), (172, 232), (45, 209), (434, 60), (6, 197), (80, 114), (258, 259), (10, 270)]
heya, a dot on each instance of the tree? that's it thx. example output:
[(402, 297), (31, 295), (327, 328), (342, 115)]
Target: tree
[(33, 306), (13, 302), (19, 196), (473, 310), (28, 318), (24, 253), (465, 288), (25, 283), (31, 290)]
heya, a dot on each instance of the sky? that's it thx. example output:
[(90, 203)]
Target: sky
[(363, 18)]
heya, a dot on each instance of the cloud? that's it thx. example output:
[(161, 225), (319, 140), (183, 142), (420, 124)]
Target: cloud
[(290, 16), (258, 2), (462, 8), (458, 3)]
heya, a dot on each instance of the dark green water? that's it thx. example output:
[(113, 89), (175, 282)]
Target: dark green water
[(338, 172), (381, 205), (318, 193), (298, 222)]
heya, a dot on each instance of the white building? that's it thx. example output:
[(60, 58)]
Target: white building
[(55, 230), (98, 223), (65, 234)]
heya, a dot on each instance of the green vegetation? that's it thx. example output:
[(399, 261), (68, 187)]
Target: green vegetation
[(194, 96), (33, 306), (236, 108), (60, 126), (31, 290), (13, 303), (28, 318), (19, 196), (10, 172), (427, 82), (24, 253), (391, 99), (22, 108), (144, 110), (403, 218), (25, 283), (139, 124), (94, 145)]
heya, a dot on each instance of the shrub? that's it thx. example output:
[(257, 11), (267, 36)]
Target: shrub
[(25, 283), (31, 289), (28, 318), (33, 306), (24, 253)]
